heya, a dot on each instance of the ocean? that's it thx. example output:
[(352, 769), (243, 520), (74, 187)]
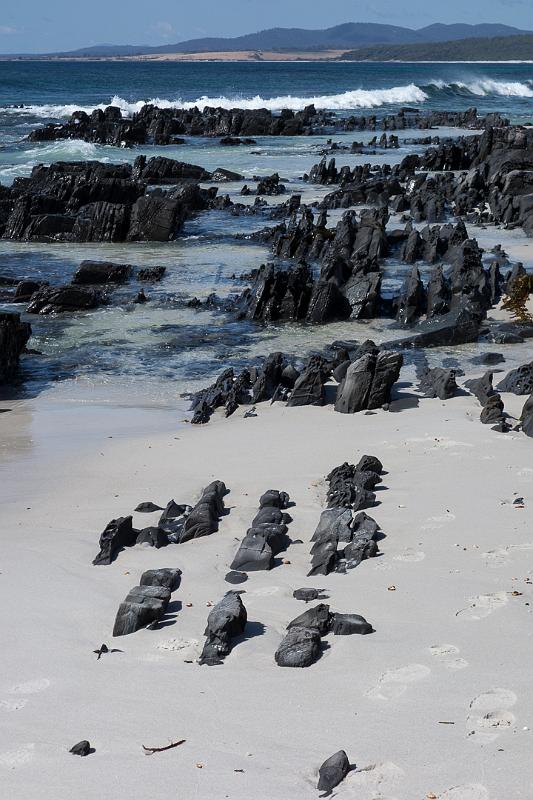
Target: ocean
[(151, 353)]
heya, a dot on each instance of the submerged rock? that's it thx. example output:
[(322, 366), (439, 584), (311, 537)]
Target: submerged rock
[(14, 336)]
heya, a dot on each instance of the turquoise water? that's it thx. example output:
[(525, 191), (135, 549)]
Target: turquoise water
[(156, 350)]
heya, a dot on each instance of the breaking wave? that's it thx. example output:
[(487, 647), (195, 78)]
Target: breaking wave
[(345, 101)]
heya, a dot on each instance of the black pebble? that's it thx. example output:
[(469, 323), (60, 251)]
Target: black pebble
[(236, 577)]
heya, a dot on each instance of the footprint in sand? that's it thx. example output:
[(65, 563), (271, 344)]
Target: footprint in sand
[(496, 558), (434, 523), (410, 555), (12, 705), (30, 687), (489, 714), (17, 758), (376, 780), (482, 605), (395, 682), (448, 655), (468, 791)]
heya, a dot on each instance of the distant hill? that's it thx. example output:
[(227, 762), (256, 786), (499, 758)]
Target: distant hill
[(349, 36), (500, 48)]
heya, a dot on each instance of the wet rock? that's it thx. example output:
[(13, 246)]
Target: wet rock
[(168, 578), (518, 381), (226, 621), (59, 299), (459, 326), (151, 274), (333, 771), (118, 533), (489, 359), (221, 175), (438, 293), (299, 648), (412, 300), (14, 336), (98, 272), (143, 606), (348, 624), (160, 170)]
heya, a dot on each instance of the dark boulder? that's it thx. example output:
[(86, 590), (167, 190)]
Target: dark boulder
[(226, 621), (518, 381), (92, 272), (168, 578), (150, 274), (204, 517), (333, 771), (348, 624), (492, 411), (118, 533), (459, 326), (299, 648), (526, 417), (58, 299), (14, 336), (411, 302), (481, 387), (318, 617), (143, 606), (368, 382), (439, 382)]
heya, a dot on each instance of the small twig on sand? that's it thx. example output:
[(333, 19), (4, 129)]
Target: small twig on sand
[(150, 750)]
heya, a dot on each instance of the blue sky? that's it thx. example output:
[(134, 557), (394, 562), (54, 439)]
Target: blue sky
[(48, 25)]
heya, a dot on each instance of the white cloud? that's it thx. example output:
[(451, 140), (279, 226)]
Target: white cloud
[(7, 29)]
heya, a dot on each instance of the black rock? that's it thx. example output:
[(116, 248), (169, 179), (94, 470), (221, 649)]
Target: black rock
[(119, 533), (153, 536), (275, 499), (236, 577), (306, 594), (459, 326), (347, 624), (226, 621), (318, 617), (143, 606), (492, 411), (333, 771), (369, 464), (151, 274), (14, 335), (82, 748), (526, 417), (98, 272), (299, 648), (148, 507), (204, 517), (168, 577), (481, 387), (489, 359), (56, 300), (518, 381), (438, 382)]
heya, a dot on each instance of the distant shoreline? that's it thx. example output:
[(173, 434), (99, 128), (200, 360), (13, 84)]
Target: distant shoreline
[(254, 57)]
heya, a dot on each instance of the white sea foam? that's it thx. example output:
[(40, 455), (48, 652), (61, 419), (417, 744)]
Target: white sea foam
[(357, 98), (344, 101), (484, 87)]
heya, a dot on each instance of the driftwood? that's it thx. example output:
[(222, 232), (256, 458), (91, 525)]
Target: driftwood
[(151, 750)]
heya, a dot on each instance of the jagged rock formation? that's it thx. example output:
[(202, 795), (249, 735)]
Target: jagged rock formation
[(14, 336)]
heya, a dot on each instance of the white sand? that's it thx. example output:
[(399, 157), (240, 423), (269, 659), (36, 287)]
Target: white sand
[(452, 643)]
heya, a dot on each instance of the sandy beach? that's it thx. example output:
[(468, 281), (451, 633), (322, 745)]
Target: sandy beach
[(435, 703)]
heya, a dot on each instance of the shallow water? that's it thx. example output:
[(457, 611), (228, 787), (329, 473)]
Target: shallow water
[(151, 353)]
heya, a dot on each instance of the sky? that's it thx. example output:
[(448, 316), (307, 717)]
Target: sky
[(34, 26)]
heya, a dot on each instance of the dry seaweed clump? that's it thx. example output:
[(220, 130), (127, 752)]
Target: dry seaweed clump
[(516, 300)]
